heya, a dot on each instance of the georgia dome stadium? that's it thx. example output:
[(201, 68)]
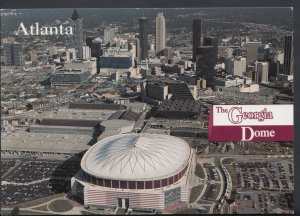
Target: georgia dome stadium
[(135, 171)]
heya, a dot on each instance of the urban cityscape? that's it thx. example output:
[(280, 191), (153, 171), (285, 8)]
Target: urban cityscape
[(112, 117)]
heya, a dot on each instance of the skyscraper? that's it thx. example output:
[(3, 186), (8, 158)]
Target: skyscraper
[(212, 41), (205, 62), (288, 67), (262, 69), (96, 50), (86, 52), (134, 47), (236, 66), (197, 32), (109, 34), (77, 38), (138, 47), (168, 53), (143, 36), (89, 41), (252, 51), (160, 33), (13, 53), (274, 68)]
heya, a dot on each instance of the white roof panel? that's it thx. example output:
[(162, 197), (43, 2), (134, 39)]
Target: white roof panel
[(136, 157)]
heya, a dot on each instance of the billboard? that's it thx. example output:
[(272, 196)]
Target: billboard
[(251, 123)]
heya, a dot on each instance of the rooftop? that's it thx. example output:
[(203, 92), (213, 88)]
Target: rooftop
[(44, 142), (97, 106), (70, 122), (75, 114), (136, 157)]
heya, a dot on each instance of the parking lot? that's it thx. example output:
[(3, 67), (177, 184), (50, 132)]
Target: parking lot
[(273, 176), (212, 173), (231, 95), (15, 194), (32, 171), (35, 179), (264, 202), (261, 185), (6, 165)]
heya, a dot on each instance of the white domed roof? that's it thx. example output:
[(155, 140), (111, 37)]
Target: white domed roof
[(136, 157)]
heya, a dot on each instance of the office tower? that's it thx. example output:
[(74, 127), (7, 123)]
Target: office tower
[(77, 37), (89, 41), (138, 48), (236, 66), (212, 41), (252, 51), (268, 54), (274, 68), (96, 51), (13, 54), (229, 53), (261, 53), (143, 36), (197, 32), (96, 47), (262, 69), (237, 52), (86, 52), (119, 42), (160, 33), (205, 62), (157, 91), (168, 53), (201, 83), (279, 56), (70, 54), (288, 67), (132, 49), (109, 34)]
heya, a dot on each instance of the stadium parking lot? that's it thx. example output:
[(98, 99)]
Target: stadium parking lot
[(33, 179), (265, 176)]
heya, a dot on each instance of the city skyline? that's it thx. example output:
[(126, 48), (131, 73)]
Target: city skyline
[(154, 111)]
